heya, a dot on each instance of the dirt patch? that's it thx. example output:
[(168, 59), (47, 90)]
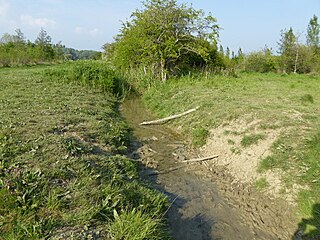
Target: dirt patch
[(242, 161)]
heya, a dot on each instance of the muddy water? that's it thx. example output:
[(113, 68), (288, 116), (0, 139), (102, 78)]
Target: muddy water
[(205, 204)]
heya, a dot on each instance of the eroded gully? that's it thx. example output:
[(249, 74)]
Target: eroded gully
[(206, 204)]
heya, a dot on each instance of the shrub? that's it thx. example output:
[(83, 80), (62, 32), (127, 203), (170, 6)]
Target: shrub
[(261, 61)]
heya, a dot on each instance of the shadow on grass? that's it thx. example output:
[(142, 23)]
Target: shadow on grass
[(309, 228)]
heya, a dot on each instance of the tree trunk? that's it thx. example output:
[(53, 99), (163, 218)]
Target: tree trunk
[(163, 71), (296, 60)]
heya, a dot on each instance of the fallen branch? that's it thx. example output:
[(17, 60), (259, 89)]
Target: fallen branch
[(200, 159), (163, 120)]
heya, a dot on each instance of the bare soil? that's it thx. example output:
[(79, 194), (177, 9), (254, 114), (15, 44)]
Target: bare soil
[(212, 199)]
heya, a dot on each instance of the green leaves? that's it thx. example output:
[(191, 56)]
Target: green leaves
[(164, 37)]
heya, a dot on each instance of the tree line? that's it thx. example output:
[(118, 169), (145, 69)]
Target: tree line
[(16, 50), (166, 38), (292, 56)]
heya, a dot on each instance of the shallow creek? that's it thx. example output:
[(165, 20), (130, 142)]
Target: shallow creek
[(205, 204)]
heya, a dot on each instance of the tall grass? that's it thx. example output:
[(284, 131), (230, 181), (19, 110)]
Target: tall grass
[(96, 74)]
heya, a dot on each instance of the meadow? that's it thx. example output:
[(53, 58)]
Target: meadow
[(64, 173)]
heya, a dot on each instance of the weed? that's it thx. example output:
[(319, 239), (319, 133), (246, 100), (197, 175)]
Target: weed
[(307, 98), (235, 150), (261, 183), (269, 126), (251, 139), (199, 136), (270, 162), (134, 225)]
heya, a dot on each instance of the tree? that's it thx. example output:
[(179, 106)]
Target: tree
[(166, 37), (43, 38), (227, 52), (313, 34), (240, 53), (288, 50), (6, 38), (19, 37), (44, 46)]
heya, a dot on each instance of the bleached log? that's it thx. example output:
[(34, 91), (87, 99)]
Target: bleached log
[(163, 120)]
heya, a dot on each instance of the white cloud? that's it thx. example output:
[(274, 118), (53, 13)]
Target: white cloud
[(91, 32), (79, 30), (4, 7), (37, 22), (94, 32)]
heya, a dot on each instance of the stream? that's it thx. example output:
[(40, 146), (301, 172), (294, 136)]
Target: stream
[(205, 204)]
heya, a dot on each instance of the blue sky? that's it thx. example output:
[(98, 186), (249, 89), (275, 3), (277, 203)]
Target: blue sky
[(85, 24)]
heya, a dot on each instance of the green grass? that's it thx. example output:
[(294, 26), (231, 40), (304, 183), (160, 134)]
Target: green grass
[(199, 136), (287, 103), (248, 140), (63, 172), (261, 183)]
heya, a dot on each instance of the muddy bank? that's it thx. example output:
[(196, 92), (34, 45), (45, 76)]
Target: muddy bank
[(207, 203)]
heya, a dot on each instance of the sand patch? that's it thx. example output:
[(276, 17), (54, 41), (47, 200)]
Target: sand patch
[(242, 161)]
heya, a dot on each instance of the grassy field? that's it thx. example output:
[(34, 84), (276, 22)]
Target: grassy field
[(63, 170), (289, 103)]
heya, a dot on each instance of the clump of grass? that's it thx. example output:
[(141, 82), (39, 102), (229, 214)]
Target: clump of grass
[(310, 210), (235, 150), (269, 126), (248, 140), (135, 225), (199, 136), (267, 163), (261, 183), (307, 98)]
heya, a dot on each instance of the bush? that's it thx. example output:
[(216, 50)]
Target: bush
[(261, 61)]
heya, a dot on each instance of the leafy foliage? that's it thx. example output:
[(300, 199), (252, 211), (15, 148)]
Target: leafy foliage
[(261, 61), (15, 50), (313, 34), (165, 37)]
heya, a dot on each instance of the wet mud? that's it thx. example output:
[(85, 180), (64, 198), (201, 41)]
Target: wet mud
[(207, 203)]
